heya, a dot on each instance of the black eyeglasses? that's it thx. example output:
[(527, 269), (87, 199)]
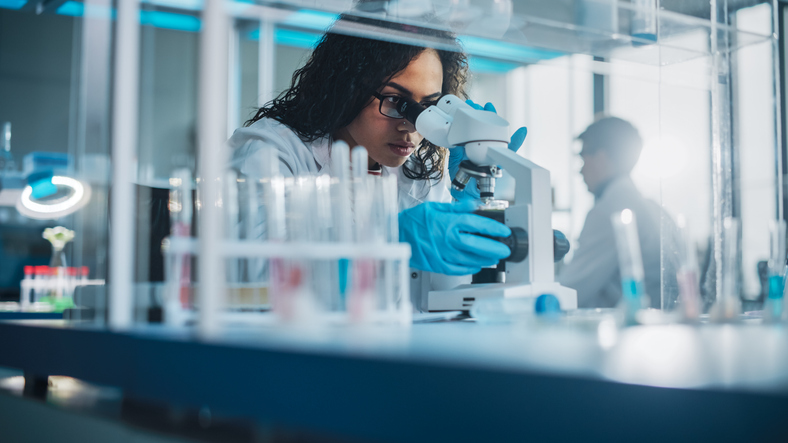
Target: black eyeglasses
[(388, 105)]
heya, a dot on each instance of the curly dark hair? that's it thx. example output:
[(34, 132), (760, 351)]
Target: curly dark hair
[(338, 80)]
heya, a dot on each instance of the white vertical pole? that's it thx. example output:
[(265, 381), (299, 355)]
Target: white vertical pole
[(778, 119), (265, 62), (212, 158), (233, 79), (124, 148)]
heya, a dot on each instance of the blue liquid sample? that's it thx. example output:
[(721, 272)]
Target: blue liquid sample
[(344, 279), (776, 286), (632, 292), (773, 307), (631, 289)]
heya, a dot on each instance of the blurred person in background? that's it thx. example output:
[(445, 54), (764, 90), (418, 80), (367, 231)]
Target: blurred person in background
[(611, 148)]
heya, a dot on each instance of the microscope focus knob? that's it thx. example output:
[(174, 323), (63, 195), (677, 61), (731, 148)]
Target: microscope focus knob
[(518, 244), (560, 245), (518, 240)]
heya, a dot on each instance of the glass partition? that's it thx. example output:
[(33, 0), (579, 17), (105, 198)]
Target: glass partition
[(701, 93), (54, 86)]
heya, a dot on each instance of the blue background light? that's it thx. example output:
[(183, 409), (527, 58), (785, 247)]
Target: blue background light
[(12, 4), (485, 55)]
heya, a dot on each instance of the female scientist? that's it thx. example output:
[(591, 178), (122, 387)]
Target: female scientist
[(348, 90)]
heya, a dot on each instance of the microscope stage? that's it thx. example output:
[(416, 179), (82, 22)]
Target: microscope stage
[(462, 297)]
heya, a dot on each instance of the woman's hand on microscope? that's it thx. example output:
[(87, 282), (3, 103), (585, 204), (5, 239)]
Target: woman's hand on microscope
[(445, 238)]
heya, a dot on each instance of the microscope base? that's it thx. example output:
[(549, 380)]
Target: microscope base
[(462, 297)]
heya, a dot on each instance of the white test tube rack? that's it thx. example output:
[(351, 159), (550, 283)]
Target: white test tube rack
[(395, 252)]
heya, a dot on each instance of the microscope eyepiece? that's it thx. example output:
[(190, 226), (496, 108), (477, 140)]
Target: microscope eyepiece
[(410, 109)]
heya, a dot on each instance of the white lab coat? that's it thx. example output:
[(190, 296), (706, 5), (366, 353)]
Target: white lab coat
[(594, 269), (300, 158)]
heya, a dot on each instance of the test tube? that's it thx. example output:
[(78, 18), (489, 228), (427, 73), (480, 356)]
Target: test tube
[(324, 279), (362, 194), (254, 230), (644, 22), (276, 229), (179, 270), (343, 218), (773, 305), (361, 300), (728, 305), (397, 271), (274, 196), (296, 301), (389, 221), (687, 274), (360, 162), (231, 211), (630, 264)]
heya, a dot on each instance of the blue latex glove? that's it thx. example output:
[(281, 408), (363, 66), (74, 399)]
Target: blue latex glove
[(442, 240), (457, 155)]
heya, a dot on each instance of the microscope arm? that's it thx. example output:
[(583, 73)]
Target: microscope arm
[(532, 210)]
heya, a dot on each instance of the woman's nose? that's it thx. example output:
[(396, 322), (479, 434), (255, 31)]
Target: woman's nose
[(407, 126)]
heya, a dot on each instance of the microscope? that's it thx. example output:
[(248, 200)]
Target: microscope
[(528, 271)]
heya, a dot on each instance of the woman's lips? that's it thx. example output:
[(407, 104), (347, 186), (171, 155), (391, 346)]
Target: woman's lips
[(401, 150)]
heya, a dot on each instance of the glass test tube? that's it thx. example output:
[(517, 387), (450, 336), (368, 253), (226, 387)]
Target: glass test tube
[(276, 229), (297, 293), (322, 226), (254, 231), (179, 269), (728, 305), (630, 264), (343, 218), (687, 274), (361, 301), (773, 305), (231, 210), (644, 22), (390, 229)]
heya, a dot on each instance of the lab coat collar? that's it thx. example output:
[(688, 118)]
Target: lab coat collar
[(321, 149), (411, 192)]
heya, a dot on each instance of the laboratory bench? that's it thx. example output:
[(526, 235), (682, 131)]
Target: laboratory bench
[(440, 381), (22, 315)]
